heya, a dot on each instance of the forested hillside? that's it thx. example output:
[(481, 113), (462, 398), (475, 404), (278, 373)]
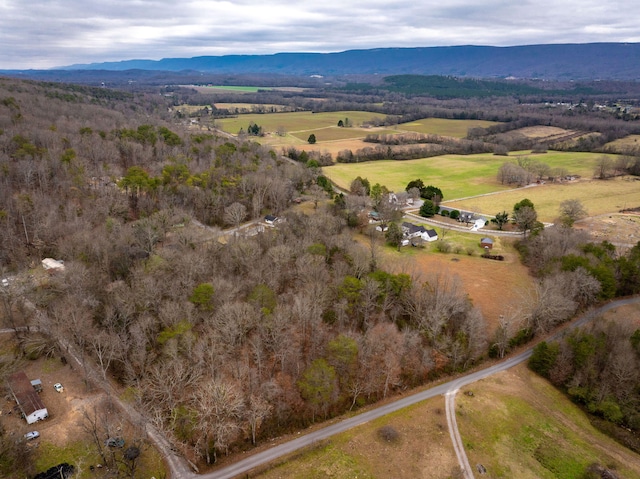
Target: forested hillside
[(219, 342)]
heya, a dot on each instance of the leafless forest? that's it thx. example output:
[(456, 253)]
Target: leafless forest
[(224, 343)]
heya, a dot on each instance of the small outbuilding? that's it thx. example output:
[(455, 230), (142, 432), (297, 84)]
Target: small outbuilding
[(486, 243), (26, 397), (271, 219), (52, 264)]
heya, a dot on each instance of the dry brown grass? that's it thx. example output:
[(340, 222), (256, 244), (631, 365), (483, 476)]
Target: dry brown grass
[(495, 287), (422, 450)]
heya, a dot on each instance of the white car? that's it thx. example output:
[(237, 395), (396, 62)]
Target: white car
[(58, 387), (32, 435)]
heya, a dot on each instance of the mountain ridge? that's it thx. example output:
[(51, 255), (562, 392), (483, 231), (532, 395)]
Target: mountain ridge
[(571, 61)]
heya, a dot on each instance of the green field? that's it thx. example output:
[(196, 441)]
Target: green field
[(444, 127), (236, 89), (458, 176), (597, 196), (517, 425), (296, 121)]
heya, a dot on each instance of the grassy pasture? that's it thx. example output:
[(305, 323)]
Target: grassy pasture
[(517, 425), (598, 197), (248, 106), (626, 143), (333, 133), (295, 121), (235, 89), (423, 449), (444, 127), (458, 176)]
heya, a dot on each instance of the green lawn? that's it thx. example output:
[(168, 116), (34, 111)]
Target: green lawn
[(444, 127), (458, 176), (297, 121), (517, 425)]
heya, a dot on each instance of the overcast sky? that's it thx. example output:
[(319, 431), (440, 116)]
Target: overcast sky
[(47, 33)]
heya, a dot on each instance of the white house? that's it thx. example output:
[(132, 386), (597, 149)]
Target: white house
[(414, 231)]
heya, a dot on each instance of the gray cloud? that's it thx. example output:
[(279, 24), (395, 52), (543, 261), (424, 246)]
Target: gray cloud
[(44, 34)]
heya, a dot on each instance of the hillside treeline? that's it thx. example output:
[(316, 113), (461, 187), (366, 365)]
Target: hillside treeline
[(220, 341), (572, 274), (598, 367)]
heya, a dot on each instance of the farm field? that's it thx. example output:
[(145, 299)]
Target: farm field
[(423, 449), (296, 121), (626, 143), (597, 196), (443, 126), (458, 176), (517, 424), (239, 89)]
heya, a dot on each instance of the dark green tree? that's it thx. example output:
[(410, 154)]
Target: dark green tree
[(502, 219), (428, 209), (394, 235), (202, 296), (522, 204), (318, 385), (312, 139)]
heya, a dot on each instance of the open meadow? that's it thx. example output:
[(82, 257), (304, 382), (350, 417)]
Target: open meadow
[(297, 121), (416, 446), (516, 424), (494, 287), (458, 176), (597, 196)]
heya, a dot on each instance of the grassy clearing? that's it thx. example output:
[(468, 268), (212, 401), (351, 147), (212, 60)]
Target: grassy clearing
[(422, 449), (296, 121), (631, 141), (494, 287), (518, 425), (598, 197), (247, 106), (458, 176), (80, 454), (236, 89), (444, 127)]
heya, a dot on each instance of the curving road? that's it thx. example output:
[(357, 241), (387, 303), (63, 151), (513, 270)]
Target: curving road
[(448, 388), (180, 469)]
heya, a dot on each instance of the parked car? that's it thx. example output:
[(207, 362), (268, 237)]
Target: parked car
[(58, 387), (114, 442), (32, 435)]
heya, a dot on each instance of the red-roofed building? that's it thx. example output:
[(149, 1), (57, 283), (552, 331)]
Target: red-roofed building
[(27, 398)]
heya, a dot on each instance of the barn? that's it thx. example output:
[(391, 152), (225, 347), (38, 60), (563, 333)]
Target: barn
[(27, 398), (486, 243)]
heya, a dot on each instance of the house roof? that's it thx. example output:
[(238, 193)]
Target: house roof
[(431, 233), (24, 393), (486, 240), (270, 218), (50, 263)]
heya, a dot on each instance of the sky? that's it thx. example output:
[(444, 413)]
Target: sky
[(42, 34)]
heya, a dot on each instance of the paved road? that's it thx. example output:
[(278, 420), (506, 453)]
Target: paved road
[(180, 470), (449, 388)]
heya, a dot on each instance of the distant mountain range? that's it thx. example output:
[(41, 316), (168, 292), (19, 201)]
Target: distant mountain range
[(589, 61)]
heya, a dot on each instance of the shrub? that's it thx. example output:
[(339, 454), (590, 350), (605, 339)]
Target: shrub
[(443, 247), (454, 214), (444, 212), (388, 433)]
